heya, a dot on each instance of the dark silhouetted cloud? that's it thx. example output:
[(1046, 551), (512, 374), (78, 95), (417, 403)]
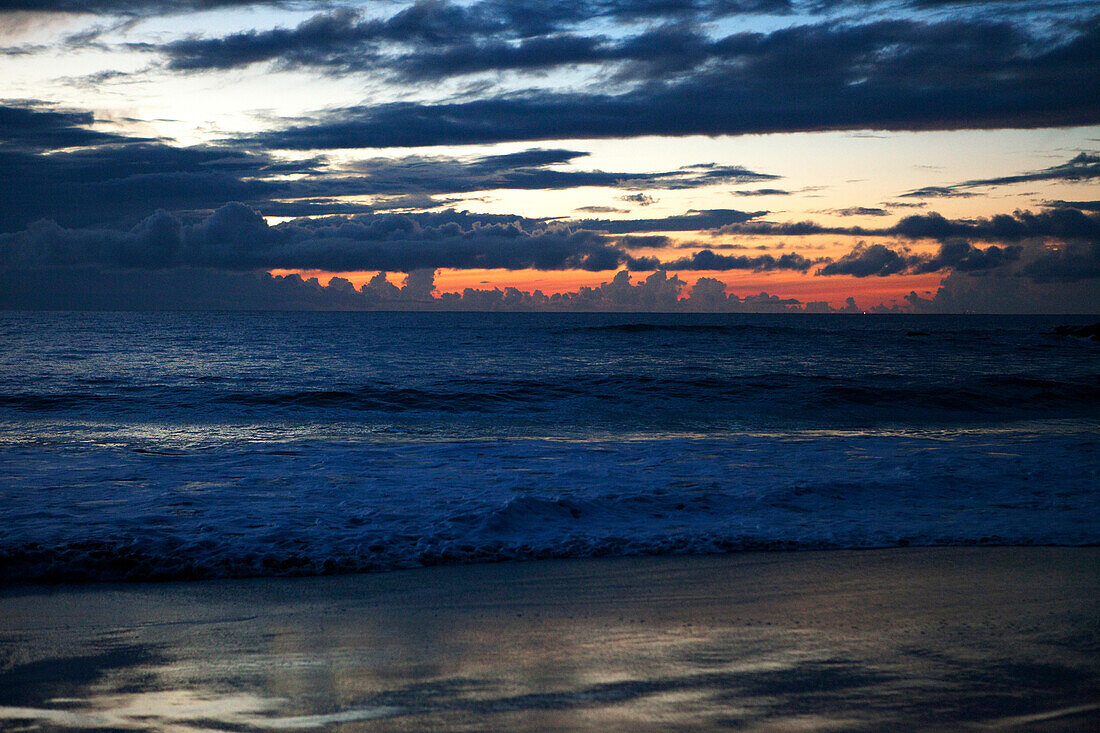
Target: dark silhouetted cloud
[(1083, 167), (1062, 224), (1080, 205), (526, 170), (692, 221), (1071, 261), (57, 168), (34, 127), (866, 260), (236, 237), (861, 211), (788, 228), (520, 14), (760, 192), (898, 75), (601, 210), (961, 256), (85, 287), (109, 184), (708, 260), (964, 293), (939, 192), (320, 37), (144, 7), (1056, 223)]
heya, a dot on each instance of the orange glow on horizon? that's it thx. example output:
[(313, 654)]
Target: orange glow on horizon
[(868, 292)]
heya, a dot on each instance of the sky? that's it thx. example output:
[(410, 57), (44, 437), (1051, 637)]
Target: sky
[(701, 155)]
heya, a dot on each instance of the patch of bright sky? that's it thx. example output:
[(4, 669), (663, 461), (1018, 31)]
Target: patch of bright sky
[(828, 170)]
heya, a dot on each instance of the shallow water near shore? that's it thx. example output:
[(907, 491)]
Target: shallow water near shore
[(904, 639)]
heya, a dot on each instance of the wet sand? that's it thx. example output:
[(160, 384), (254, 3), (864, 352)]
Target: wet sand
[(905, 639)]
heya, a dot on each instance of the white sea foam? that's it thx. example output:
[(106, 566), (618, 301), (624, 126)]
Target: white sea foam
[(302, 507)]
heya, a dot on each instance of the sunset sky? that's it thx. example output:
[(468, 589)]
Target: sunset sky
[(925, 155)]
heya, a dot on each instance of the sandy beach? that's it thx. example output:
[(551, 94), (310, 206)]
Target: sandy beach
[(903, 639)]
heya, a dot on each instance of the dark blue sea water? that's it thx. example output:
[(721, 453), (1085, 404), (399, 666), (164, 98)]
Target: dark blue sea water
[(192, 445)]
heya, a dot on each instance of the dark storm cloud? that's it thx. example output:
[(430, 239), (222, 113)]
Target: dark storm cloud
[(1070, 261), (962, 293), (144, 7), (236, 237), (939, 192), (996, 5), (527, 170), (1058, 223), (446, 40), (453, 39), (55, 167), (77, 288), (333, 207), (672, 78), (961, 256), (901, 75), (1080, 205), (29, 127), (867, 260), (340, 43), (107, 184), (601, 210), (329, 35), (787, 228), (678, 9), (164, 262), (1083, 167), (761, 192), (708, 260), (204, 289), (861, 211), (524, 14), (655, 53), (878, 260), (521, 13), (692, 221), (120, 183), (1062, 224), (339, 39)]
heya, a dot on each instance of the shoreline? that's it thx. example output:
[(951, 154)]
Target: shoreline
[(999, 638)]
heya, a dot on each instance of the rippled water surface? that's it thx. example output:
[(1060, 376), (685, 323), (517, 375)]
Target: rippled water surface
[(172, 445)]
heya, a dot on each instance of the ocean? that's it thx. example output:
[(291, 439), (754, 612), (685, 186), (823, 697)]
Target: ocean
[(169, 446)]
